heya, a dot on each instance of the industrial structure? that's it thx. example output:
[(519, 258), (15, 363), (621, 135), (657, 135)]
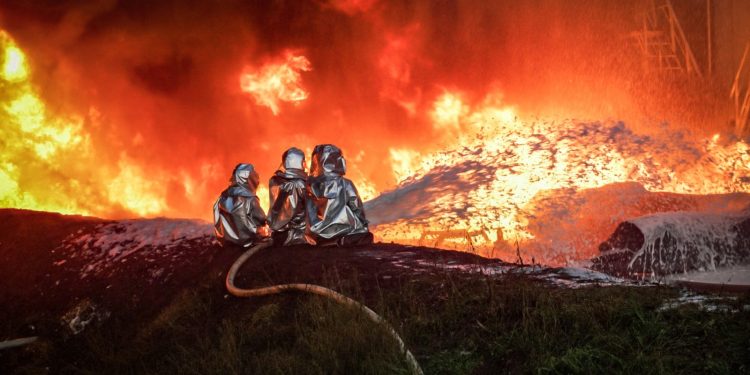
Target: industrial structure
[(700, 39)]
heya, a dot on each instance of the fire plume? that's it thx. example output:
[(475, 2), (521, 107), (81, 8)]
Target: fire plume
[(277, 82)]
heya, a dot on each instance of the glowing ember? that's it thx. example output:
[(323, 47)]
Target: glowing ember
[(277, 82)]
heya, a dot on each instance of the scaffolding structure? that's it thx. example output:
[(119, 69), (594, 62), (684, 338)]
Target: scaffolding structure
[(437, 238), (663, 43), (740, 95)]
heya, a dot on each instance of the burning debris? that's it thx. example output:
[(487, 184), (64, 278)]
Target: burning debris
[(552, 186)]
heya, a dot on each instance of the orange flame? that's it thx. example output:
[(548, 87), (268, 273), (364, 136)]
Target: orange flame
[(531, 160), (43, 153), (31, 137), (277, 82), (448, 110)]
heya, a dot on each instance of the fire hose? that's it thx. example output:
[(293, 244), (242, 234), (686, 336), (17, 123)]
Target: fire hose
[(17, 342), (314, 289)]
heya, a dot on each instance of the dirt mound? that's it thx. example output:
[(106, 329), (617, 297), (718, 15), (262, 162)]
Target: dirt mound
[(81, 269), (77, 270), (55, 264)]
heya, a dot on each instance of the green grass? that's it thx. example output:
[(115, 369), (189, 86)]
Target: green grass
[(295, 334), (454, 324), (522, 327)]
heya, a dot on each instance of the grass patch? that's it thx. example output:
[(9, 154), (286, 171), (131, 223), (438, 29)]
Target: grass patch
[(289, 334), (518, 325), (453, 323)]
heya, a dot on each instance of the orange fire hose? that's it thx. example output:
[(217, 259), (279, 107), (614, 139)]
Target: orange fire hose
[(315, 289)]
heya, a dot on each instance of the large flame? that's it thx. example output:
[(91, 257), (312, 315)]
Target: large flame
[(42, 153), (484, 190), (277, 82), (112, 115), (32, 139)]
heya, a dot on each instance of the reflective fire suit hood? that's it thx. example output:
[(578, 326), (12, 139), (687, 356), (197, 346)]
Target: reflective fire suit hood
[(293, 162), (334, 208), (328, 160), (288, 193), (244, 180), (237, 213)]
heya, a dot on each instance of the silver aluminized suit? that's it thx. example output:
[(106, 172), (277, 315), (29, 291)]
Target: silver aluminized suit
[(288, 193), (238, 216), (334, 208)]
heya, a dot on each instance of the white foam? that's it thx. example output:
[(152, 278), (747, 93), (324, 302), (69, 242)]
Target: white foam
[(739, 275), (115, 242)]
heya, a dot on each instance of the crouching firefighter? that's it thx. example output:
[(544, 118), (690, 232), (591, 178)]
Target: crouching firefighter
[(238, 217), (288, 193), (335, 214)]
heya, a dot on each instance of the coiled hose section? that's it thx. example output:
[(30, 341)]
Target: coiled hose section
[(315, 289)]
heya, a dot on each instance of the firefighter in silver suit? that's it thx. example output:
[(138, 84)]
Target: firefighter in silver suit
[(288, 193), (335, 214), (238, 217)]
